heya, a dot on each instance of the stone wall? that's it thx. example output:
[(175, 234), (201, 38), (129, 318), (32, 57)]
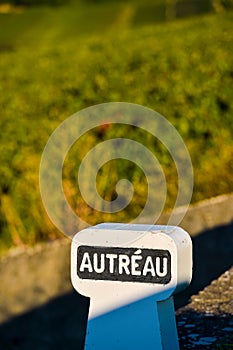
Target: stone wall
[(31, 277)]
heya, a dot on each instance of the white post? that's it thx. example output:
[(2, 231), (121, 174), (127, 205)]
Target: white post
[(131, 273)]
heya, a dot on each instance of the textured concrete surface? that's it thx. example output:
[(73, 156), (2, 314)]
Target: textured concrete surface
[(32, 277), (207, 322), (205, 215), (40, 310)]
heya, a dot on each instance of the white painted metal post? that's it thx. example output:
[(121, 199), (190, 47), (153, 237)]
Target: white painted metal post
[(131, 273)]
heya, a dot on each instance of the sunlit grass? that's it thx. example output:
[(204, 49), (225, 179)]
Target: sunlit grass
[(51, 67)]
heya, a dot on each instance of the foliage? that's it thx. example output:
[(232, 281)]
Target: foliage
[(34, 2), (183, 69)]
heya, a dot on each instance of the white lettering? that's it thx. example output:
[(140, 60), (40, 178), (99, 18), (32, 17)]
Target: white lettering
[(158, 267), (86, 263), (135, 265), (148, 267), (111, 258), (124, 262), (101, 268)]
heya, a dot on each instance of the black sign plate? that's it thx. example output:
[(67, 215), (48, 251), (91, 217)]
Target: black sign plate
[(124, 264)]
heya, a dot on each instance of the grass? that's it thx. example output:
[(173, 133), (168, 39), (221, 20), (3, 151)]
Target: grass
[(54, 62)]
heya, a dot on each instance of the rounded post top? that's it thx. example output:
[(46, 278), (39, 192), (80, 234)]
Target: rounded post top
[(122, 263)]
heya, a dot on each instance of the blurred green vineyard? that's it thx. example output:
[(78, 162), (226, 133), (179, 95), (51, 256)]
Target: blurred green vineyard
[(53, 63)]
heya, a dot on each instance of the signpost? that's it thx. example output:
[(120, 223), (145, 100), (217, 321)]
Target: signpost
[(131, 272)]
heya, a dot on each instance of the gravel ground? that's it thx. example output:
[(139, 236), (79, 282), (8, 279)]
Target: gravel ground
[(207, 322)]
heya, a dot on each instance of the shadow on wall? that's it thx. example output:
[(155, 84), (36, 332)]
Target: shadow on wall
[(212, 255), (60, 324)]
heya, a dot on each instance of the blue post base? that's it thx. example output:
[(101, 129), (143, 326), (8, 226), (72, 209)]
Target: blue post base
[(146, 324)]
